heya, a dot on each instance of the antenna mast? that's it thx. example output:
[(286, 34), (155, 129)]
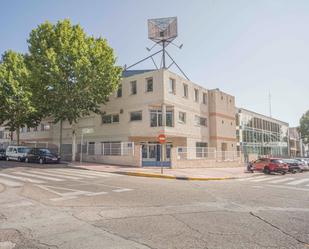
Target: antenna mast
[(162, 31)]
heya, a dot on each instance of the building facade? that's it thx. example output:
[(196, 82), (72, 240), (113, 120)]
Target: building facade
[(149, 103), (261, 135), (296, 145)]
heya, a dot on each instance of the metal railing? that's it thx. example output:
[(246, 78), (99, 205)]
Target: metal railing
[(206, 153)]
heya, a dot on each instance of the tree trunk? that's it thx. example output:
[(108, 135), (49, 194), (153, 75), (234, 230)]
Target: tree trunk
[(17, 135), (73, 145), (60, 139)]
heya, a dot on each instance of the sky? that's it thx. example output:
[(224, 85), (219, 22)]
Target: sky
[(249, 49)]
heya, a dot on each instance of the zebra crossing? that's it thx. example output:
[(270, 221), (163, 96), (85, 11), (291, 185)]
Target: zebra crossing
[(284, 181), (35, 176)]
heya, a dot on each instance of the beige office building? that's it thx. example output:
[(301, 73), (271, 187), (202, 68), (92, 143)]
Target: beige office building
[(149, 103)]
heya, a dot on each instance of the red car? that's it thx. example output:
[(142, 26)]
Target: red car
[(269, 165)]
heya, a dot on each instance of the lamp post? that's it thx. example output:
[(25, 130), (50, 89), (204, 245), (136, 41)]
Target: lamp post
[(84, 131)]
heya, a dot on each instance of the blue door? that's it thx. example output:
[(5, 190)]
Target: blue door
[(151, 155)]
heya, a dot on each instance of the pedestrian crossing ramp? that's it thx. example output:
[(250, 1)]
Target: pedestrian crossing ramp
[(286, 181), (19, 178)]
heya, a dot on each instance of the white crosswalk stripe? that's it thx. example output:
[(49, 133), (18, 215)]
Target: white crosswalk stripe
[(72, 173), (85, 173), (266, 178), (47, 173), (282, 180), (297, 182), (39, 176), (10, 183), (23, 179), (250, 178)]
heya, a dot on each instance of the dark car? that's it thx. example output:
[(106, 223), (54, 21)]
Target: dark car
[(41, 156), (2, 154), (294, 165)]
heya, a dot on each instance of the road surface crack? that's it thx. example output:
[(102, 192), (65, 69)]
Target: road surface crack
[(279, 229)]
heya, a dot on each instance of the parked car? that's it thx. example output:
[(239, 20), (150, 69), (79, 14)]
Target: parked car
[(304, 163), (294, 165), (41, 156), (269, 165), (2, 154), (16, 153)]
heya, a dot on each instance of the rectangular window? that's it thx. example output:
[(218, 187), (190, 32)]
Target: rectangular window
[(133, 87), (149, 85), (185, 90), (200, 121), (136, 116), (111, 148), (169, 118), (155, 118), (111, 118), (196, 93), (91, 148), (171, 86), (182, 117), (205, 98), (119, 91)]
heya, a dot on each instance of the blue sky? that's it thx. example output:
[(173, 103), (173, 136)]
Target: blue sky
[(246, 48)]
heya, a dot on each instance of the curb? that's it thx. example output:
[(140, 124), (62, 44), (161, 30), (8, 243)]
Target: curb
[(152, 175)]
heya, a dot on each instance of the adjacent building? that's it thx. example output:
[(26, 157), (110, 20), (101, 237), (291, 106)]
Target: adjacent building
[(261, 135), (295, 142)]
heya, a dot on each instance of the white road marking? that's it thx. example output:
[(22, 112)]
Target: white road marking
[(266, 178), (40, 177), (122, 190), (24, 179), (72, 173), (96, 193), (10, 183), (250, 178), (17, 204), (55, 174), (298, 181), (89, 172), (288, 187), (282, 180)]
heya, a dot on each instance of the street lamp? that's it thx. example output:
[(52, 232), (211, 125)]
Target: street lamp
[(84, 131)]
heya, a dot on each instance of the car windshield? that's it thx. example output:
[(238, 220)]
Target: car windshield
[(277, 161), (23, 150), (45, 152)]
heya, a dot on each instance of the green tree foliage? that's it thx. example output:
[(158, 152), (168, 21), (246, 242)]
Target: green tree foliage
[(16, 106), (304, 127), (73, 74)]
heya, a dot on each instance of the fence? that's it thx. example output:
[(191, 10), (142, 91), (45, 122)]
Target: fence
[(206, 153)]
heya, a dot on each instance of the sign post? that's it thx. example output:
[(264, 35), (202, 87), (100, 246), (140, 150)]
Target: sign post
[(84, 131), (162, 141)]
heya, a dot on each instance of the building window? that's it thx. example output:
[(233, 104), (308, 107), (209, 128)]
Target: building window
[(196, 95), (91, 148), (182, 117), (111, 118), (171, 86), (136, 116), (149, 85), (221, 97), (205, 98), (155, 118), (133, 87), (222, 121), (119, 91), (200, 121), (169, 118), (185, 90)]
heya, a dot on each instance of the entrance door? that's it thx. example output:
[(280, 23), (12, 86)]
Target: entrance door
[(151, 154)]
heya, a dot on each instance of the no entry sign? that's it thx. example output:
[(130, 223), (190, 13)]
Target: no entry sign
[(162, 138)]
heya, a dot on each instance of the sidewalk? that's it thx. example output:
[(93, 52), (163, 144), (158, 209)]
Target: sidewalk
[(204, 174)]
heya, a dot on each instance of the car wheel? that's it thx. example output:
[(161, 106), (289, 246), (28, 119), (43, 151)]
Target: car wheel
[(283, 173), (26, 160), (18, 159), (41, 161), (7, 158), (266, 170)]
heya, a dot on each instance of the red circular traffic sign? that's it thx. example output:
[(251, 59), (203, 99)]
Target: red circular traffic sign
[(162, 138)]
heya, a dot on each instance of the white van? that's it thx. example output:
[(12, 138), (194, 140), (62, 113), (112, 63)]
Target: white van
[(17, 153)]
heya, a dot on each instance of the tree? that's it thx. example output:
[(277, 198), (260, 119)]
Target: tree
[(304, 127), (73, 74), (16, 104)]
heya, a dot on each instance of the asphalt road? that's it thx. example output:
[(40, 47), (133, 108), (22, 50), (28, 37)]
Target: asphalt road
[(59, 207)]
